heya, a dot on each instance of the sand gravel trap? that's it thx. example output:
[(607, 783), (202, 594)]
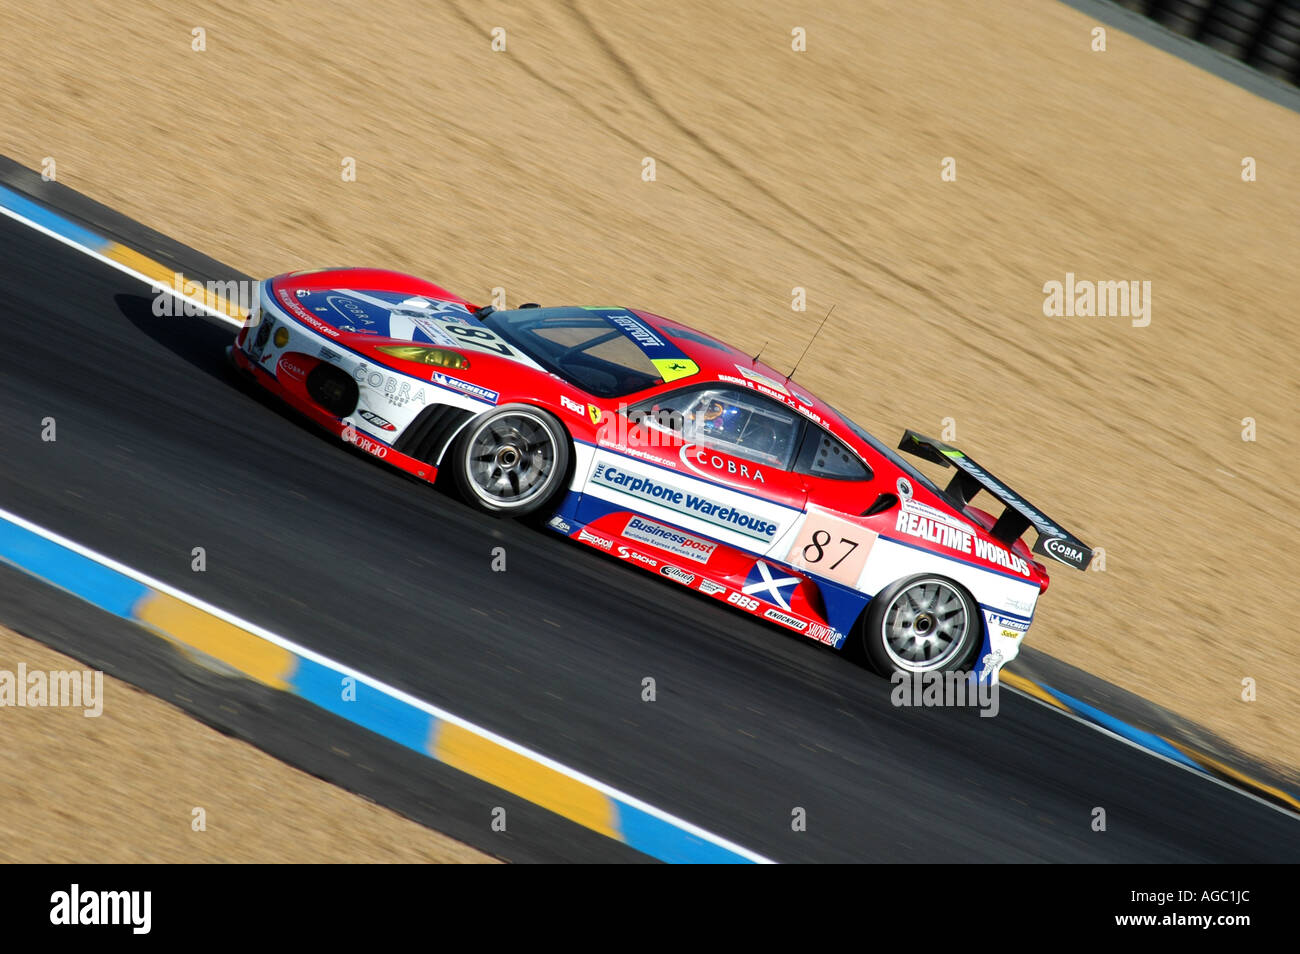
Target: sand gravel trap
[(123, 787), (776, 169)]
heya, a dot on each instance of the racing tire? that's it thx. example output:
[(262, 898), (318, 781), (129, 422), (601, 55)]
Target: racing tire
[(511, 461), (919, 624)]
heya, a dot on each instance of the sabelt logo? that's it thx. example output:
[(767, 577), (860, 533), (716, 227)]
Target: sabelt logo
[(1064, 551), (673, 573), (292, 369)]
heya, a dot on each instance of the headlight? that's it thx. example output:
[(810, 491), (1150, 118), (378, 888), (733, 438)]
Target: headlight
[(440, 357)]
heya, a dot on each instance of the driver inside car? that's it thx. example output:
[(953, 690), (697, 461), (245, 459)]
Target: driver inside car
[(731, 426)]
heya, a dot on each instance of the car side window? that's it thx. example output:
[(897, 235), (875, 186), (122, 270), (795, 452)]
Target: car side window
[(731, 420), (823, 455)]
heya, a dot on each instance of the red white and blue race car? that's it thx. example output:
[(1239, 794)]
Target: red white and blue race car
[(670, 450)]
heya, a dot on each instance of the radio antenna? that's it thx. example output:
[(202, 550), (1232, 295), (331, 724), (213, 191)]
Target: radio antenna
[(754, 360), (809, 344)]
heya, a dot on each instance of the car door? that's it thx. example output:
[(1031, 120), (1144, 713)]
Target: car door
[(715, 459), (841, 524)]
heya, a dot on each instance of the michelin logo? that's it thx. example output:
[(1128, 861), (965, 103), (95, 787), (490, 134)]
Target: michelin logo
[(473, 390), (692, 505)]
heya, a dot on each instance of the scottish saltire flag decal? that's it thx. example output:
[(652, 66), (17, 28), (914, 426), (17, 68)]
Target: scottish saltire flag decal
[(770, 583)]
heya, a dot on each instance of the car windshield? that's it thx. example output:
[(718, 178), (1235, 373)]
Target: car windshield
[(581, 346)]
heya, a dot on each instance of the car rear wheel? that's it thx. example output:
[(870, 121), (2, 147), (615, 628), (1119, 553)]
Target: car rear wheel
[(512, 460), (922, 623)]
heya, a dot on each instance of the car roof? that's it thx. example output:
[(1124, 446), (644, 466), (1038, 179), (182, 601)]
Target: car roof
[(721, 362)]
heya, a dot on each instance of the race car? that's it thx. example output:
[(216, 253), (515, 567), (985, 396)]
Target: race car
[(671, 451)]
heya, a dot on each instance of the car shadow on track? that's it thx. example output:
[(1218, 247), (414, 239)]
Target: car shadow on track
[(201, 342)]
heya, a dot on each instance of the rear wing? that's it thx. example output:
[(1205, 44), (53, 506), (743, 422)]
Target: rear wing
[(1053, 539)]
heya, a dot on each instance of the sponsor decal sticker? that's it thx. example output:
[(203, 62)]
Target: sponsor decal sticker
[(586, 536), (373, 448), (559, 524), (696, 458), (743, 601), (666, 538), (376, 420), (670, 369), (637, 331), (824, 634), (946, 534), (1063, 550), (636, 556), (302, 314), (349, 310), (649, 489), (464, 387), (396, 391), (934, 513), (638, 454), (786, 619), (571, 405), (674, 573), (1008, 627), (291, 369), (593, 412), (997, 621), (709, 588), (763, 379)]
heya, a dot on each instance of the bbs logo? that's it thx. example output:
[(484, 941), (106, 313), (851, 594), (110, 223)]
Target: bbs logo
[(743, 601)]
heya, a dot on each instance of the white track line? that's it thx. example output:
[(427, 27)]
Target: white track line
[(127, 269)]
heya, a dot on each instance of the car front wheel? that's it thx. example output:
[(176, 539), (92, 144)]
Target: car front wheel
[(512, 460)]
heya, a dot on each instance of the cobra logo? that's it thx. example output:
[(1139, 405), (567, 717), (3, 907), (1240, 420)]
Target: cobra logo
[(349, 309), (1063, 551), (292, 370)]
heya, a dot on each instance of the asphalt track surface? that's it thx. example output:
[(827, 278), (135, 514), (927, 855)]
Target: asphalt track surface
[(160, 449)]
